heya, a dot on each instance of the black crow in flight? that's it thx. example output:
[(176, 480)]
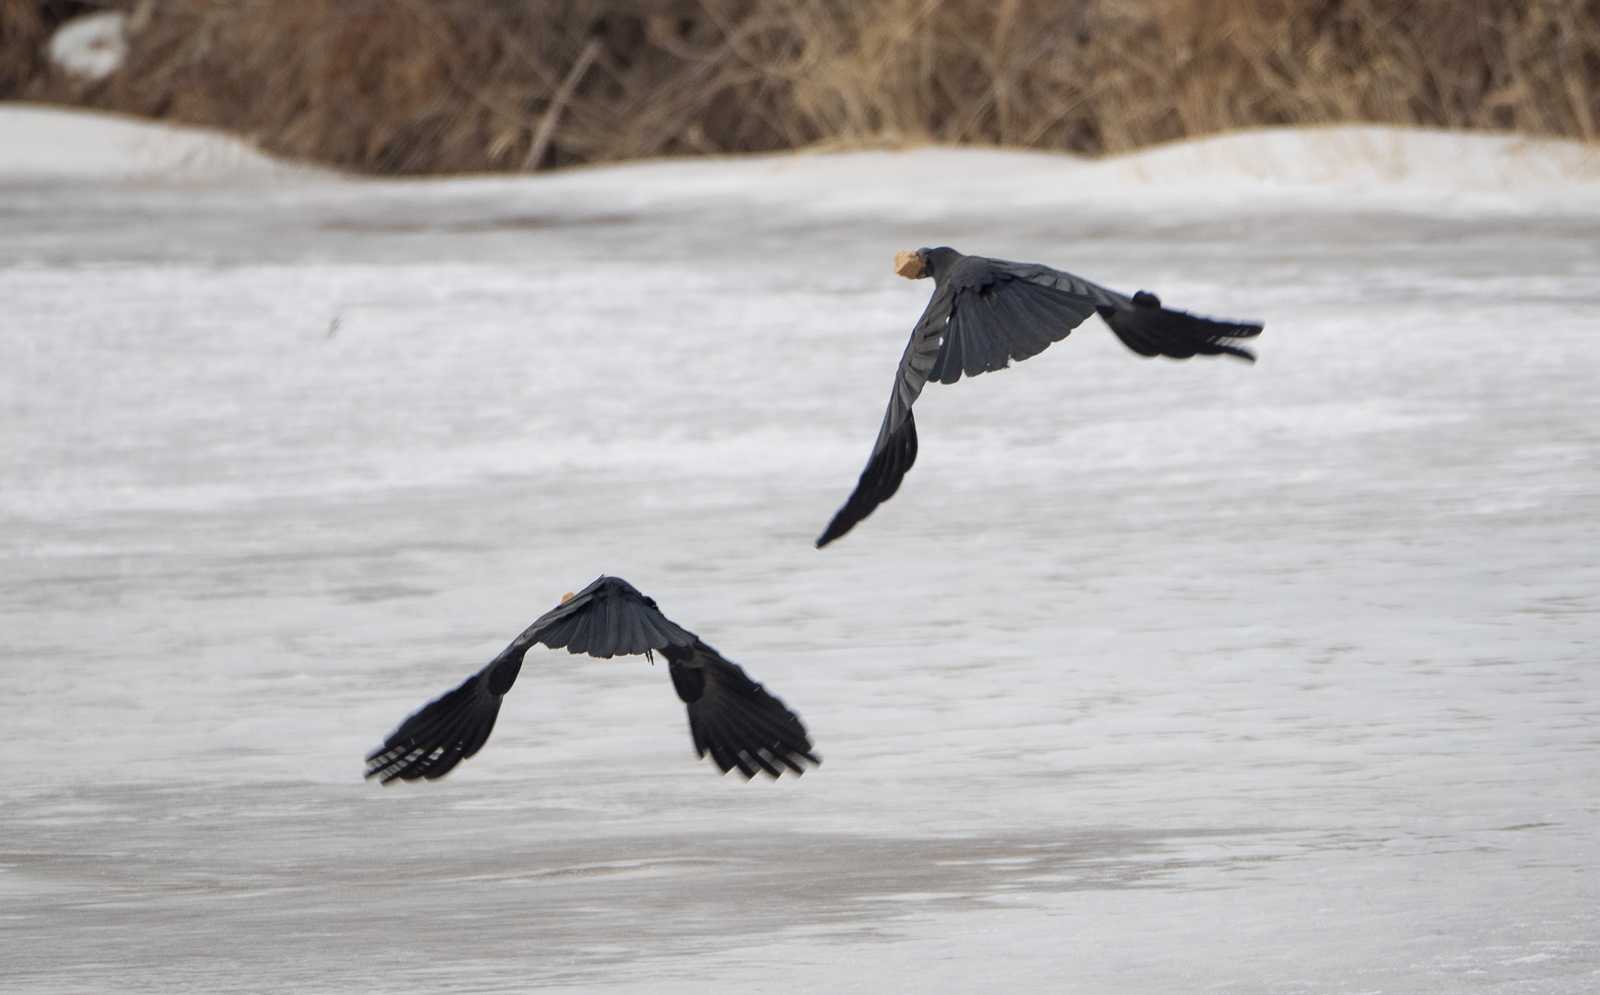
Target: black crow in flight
[(985, 313), (730, 716)]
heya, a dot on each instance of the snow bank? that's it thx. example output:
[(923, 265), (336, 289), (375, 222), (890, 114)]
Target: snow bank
[(40, 143), (1375, 154), (53, 144), (1403, 168)]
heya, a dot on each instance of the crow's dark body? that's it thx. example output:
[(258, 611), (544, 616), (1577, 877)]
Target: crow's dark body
[(984, 314), (730, 716)]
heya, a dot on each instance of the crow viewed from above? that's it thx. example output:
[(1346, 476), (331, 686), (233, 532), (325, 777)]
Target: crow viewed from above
[(731, 717), (985, 313)]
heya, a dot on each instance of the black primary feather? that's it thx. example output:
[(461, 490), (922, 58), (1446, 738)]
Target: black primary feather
[(986, 313), (606, 619), (878, 481), (430, 743), (733, 718)]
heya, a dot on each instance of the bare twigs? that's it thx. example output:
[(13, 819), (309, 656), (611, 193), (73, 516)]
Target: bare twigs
[(547, 123), (423, 86)]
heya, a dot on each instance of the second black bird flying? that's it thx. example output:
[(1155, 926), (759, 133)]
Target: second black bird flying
[(731, 717)]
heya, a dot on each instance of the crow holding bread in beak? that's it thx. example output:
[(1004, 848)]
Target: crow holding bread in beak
[(987, 312)]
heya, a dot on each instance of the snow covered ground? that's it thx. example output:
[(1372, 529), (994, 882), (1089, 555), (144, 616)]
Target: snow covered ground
[(1155, 677)]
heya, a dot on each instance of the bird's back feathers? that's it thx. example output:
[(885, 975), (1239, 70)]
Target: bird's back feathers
[(606, 619)]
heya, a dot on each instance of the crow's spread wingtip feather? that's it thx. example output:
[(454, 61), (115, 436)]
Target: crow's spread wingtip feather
[(734, 718), (878, 482)]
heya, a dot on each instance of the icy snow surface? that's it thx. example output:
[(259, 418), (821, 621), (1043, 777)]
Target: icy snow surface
[(1155, 677)]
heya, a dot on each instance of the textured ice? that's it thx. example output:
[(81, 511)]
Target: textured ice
[(1155, 677)]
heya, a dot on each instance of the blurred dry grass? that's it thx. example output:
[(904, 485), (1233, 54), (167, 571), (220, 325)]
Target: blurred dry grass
[(408, 86)]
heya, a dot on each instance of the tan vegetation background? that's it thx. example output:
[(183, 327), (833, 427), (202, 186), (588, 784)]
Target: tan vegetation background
[(415, 86)]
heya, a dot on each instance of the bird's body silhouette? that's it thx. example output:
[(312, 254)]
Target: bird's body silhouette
[(731, 717), (984, 313)]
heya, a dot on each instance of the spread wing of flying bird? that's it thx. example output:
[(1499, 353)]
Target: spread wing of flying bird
[(731, 716), (984, 313)]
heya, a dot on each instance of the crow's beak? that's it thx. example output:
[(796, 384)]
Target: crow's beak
[(910, 265)]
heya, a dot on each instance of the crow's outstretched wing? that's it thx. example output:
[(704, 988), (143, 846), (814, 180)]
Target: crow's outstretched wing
[(887, 467), (608, 618), (447, 731), (1140, 321), (996, 317), (734, 718), (979, 319)]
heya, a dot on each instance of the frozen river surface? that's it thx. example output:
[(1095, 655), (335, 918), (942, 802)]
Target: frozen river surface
[(1156, 677)]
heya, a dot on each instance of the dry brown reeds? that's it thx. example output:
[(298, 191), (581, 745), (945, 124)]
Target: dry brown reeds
[(405, 86)]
